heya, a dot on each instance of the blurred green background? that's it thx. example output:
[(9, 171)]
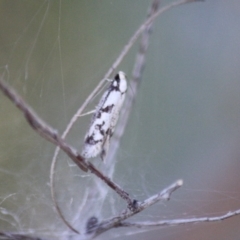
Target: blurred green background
[(185, 122)]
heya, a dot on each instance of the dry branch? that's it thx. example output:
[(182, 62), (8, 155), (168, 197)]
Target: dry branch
[(139, 207), (176, 222)]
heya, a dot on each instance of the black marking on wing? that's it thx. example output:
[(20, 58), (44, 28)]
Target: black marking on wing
[(98, 115), (110, 132), (100, 109), (99, 127), (107, 109), (110, 89), (91, 141)]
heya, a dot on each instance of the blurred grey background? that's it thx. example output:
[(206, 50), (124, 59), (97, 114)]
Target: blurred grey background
[(185, 122)]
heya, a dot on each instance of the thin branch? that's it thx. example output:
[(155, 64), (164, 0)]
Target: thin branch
[(177, 222), (87, 113), (17, 236), (141, 29), (139, 207), (40, 126), (134, 84)]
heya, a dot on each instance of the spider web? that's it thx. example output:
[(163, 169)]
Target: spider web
[(184, 123)]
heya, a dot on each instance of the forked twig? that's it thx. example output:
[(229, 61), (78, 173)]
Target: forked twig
[(139, 207)]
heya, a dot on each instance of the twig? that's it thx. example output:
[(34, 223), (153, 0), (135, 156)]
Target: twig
[(177, 222), (17, 236), (134, 83), (87, 113), (140, 30), (139, 206), (40, 126)]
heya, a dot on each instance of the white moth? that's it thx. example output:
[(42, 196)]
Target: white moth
[(105, 118)]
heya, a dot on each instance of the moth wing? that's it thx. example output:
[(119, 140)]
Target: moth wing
[(105, 118), (115, 114), (105, 147), (92, 141)]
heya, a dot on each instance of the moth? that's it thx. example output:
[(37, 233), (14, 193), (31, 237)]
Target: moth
[(105, 118)]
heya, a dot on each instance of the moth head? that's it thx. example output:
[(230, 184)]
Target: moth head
[(121, 81)]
